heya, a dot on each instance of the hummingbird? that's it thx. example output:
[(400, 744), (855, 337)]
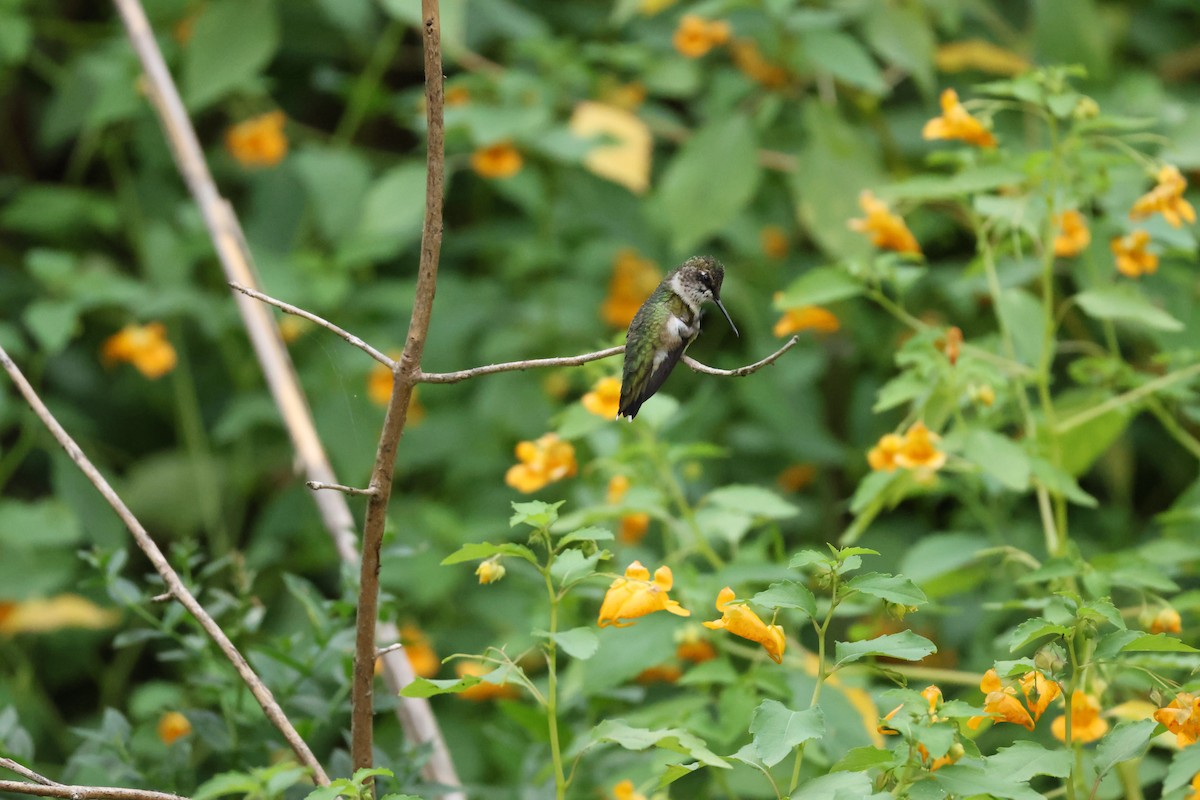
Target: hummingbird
[(664, 326)]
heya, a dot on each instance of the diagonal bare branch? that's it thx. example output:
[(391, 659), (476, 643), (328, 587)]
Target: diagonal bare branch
[(171, 578)]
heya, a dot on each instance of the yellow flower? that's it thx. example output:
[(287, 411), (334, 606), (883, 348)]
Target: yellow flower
[(500, 160), (886, 230), (774, 242), (693, 647), (1167, 620), (544, 461), (379, 392), (749, 59), (292, 328), (55, 614), (420, 652), (1073, 234), (482, 691), (663, 673), (144, 346), (741, 621), (633, 279), (258, 141), (920, 449), (173, 726), (695, 35), (490, 571), (1133, 259), (627, 96), (625, 791), (1182, 718), (1000, 703), (635, 595), (625, 158), (618, 485), (1039, 692), (957, 123), (1166, 198), (806, 318), (1195, 795), (796, 477), (986, 395), (1086, 723), (604, 399), (882, 457), (952, 346), (979, 55), (933, 696)]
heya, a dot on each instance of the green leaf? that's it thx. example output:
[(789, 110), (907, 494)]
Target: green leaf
[(1184, 766), (972, 778), (231, 41), (427, 687), (335, 180), (903, 36), (53, 323), (840, 55), (580, 643), (999, 457), (40, 524), (226, 783), (1033, 629), (1122, 303), (1023, 760), (905, 646), (861, 759), (391, 216), (889, 588), (535, 514), (754, 501), (819, 287), (787, 594), (777, 729), (1157, 643), (572, 565), (937, 187), (589, 534), (1060, 482), (836, 786), (479, 550), (678, 740), (1126, 741), (709, 181)]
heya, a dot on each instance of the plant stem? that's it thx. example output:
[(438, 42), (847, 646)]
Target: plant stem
[(1172, 426), (821, 629), (560, 779), (667, 475), (368, 82)]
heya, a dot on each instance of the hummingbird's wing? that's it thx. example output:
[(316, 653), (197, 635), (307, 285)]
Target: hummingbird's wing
[(635, 392)]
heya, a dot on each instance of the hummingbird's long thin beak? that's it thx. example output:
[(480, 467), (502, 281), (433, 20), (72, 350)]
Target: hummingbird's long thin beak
[(721, 306)]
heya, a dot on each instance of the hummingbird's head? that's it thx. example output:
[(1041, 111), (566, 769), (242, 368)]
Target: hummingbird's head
[(698, 280)]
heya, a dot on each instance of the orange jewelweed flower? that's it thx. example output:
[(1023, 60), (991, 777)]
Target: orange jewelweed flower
[(1167, 620), (483, 691), (1166, 198), (544, 461), (796, 477), (933, 696), (957, 123), (886, 230), (1073, 234), (1000, 703), (618, 485), (1182, 718), (1133, 259), (806, 318), (1039, 692), (774, 242), (953, 344), (695, 35), (635, 595), (379, 391), (457, 95), (750, 61), (625, 791), (920, 449), (1086, 723), (634, 527), (173, 726), (604, 399), (258, 141), (144, 346), (882, 457), (693, 647), (664, 673), (420, 652), (1195, 795), (500, 160), (741, 621), (633, 279)]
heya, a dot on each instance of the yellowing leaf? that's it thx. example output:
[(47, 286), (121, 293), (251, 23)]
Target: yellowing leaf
[(979, 55), (55, 613), (627, 161)]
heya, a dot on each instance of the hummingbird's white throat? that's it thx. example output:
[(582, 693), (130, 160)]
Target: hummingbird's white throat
[(690, 292)]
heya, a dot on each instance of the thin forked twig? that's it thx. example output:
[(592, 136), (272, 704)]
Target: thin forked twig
[(311, 317), (26, 772), (317, 486), (176, 586), (44, 787), (741, 372)]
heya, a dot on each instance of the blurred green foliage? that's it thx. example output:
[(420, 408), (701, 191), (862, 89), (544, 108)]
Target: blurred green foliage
[(760, 149)]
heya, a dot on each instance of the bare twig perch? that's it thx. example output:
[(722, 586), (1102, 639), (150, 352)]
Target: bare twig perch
[(176, 586), (44, 787)]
